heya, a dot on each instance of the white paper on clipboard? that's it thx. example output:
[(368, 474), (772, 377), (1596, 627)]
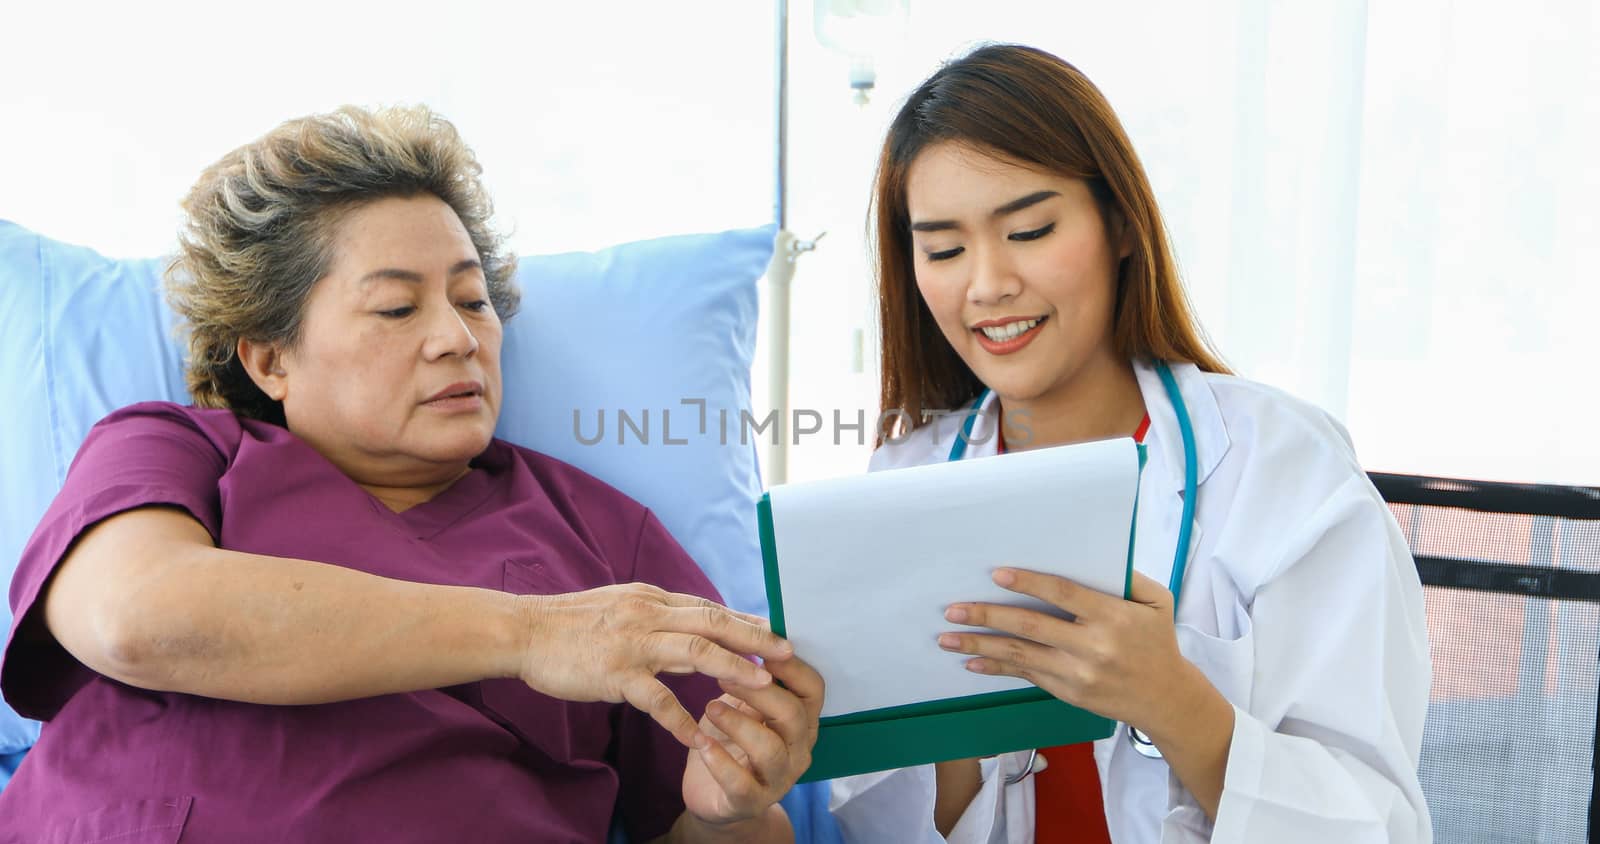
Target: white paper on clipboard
[(868, 564)]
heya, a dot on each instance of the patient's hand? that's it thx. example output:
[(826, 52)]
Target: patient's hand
[(610, 643), (756, 744)]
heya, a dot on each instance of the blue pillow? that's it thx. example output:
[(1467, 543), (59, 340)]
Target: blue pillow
[(630, 330), (80, 335), (633, 364)]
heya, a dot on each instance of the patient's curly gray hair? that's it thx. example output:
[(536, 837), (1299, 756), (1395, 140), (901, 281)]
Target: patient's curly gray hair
[(260, 223)]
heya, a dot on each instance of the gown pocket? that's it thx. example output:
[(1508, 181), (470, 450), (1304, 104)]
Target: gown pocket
[(565, 732), (157, 820), (526, 576)]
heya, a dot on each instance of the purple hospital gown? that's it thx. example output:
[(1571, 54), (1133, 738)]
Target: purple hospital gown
[(492, 761)]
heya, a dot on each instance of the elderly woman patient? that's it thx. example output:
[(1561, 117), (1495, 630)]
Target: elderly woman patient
[(324, 604)]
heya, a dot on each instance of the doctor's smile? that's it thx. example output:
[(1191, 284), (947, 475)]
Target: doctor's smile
[(1004, 336)]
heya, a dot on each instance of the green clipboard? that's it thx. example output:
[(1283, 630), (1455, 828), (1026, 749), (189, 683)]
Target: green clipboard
[(939, 730)]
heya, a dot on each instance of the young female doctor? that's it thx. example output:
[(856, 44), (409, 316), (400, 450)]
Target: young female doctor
[(1270, 673)]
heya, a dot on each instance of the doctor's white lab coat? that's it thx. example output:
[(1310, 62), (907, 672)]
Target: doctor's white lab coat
[(1300, 603)]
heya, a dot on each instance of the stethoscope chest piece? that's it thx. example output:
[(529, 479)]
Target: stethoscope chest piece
[(1142, 744)]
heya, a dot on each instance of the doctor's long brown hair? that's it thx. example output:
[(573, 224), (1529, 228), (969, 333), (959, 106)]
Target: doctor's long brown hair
[(1026, 105)]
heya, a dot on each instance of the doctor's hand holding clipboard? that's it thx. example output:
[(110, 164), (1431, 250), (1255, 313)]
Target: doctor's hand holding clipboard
[(1268, 665), (1119, 658)]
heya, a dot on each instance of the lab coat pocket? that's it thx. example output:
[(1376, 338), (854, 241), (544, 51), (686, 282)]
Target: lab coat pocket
[(1230, 666), (154, 821), (1228, 663), (564, 731)]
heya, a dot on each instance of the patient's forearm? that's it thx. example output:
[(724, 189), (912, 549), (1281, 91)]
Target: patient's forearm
[(245, 627)]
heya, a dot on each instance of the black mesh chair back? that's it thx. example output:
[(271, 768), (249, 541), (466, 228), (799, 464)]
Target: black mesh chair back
[(1511, 577)]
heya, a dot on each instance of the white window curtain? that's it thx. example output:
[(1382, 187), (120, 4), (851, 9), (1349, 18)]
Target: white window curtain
[(596, 123)]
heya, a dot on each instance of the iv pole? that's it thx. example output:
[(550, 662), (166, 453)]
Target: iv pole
[(781, 271)]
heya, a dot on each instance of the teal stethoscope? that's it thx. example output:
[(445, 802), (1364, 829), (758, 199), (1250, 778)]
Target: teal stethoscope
[(1139, 740)]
